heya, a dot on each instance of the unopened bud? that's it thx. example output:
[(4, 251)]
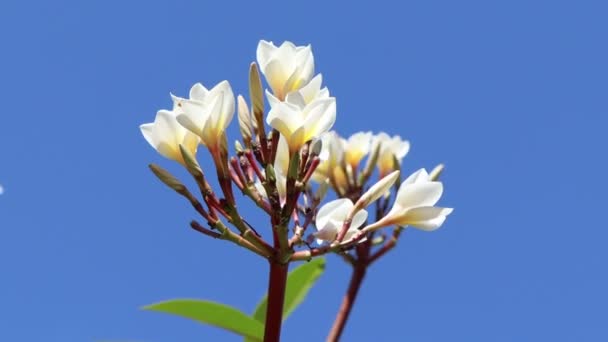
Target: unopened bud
[(256, 94), (244, 120), (370, 165), (190, 161), (376, 191), (167, 178), (238, 147), (434, 175), (316, 147)]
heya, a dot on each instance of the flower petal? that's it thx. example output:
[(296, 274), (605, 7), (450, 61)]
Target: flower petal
[(310, 91), (272, 100), (358, 220), (276, 76), (264, 52), (320, 117), (227, 110), (336, 210), (416, 177), (426, 218), (281, 161), (193, 117), (328, 233), (284, 118), (198, 92), (418, 195)]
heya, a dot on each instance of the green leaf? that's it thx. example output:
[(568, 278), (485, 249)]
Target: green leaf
[(299, 282), (212, 313)]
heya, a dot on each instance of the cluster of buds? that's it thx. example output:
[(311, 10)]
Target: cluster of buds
[(286, 161)]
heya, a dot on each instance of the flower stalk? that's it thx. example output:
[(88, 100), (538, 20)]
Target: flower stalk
[(356, 279), (277, 283)]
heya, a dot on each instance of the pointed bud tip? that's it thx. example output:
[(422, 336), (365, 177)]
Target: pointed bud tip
[(377, 190), (436, 172)]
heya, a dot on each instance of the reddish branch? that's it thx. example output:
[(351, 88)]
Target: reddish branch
[(359, 270), (277, 282)]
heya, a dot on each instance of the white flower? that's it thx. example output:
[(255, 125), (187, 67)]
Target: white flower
[(208, 112), (390, 148), (301, 124), (356, 147), (287, 67), (331, 217), (331, 156), (165, 134), (414, 204), (338, 153)]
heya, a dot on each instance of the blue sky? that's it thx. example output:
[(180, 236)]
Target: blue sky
[(511, 95)]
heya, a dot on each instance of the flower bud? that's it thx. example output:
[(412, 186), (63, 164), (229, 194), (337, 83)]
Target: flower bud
[(434, 175), (190, 162), (376, 191), (167, 178), (256, 94), (244, 120), (238, 147)]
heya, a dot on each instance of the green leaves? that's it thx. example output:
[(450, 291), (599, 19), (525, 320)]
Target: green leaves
[(216, 314), (299, 282)]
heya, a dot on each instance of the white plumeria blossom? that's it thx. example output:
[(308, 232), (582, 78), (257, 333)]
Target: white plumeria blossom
[(356, 147), (331, 217), (332, 150), (301, 124), (165, 134), (337, 150), (207, 113), (281, 165), (414, 204), (287, 67), (390, 147)]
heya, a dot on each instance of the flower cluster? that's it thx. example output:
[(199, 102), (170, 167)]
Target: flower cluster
[(286, 161)]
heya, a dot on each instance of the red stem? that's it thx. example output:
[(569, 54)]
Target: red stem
[(277, 282), (347, 303)]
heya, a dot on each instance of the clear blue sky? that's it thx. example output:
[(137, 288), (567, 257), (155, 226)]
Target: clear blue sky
[(511, 95)]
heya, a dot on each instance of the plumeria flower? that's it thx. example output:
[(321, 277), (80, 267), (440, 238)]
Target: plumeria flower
[(331, 217), (332, 153), (287, 67), (207, 113), (301, 124), (356, 147), (281, 165), (390, 148), (165, 134), (414, 204)]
